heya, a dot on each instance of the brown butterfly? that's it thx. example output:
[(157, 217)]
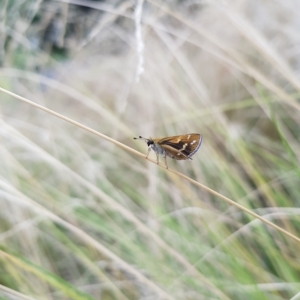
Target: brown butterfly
[(180, 147)]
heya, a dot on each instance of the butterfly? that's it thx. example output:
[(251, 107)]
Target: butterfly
[(180, 147)]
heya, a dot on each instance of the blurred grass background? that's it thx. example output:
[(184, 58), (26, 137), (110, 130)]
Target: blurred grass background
[(83, 219)]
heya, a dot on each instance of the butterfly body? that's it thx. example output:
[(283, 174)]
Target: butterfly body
[(179, 147)]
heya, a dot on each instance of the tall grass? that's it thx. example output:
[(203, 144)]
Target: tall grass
[(82, 218)]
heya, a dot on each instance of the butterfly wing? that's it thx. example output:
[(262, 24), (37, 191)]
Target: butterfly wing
[(181, 147)]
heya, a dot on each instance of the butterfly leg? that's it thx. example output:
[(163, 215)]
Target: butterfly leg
[(157, 157), (149, 149), (165, 157)]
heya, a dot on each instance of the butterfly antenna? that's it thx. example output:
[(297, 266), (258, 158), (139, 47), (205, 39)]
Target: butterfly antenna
[(140, 138)]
